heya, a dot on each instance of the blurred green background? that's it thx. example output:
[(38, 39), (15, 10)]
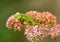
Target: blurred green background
[(9, 7)]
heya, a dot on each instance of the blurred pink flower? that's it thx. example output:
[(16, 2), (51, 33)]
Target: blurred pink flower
[(11, 22), (32, 32), (55, 31), (45, 18)]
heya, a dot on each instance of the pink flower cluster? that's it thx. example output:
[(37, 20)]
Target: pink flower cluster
[(32, 32), (45, 18), (11, 22), (55, 31)]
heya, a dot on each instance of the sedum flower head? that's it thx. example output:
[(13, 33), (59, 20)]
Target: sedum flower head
[(55, 31), (45, 18), (35, 31), (11, 22)]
